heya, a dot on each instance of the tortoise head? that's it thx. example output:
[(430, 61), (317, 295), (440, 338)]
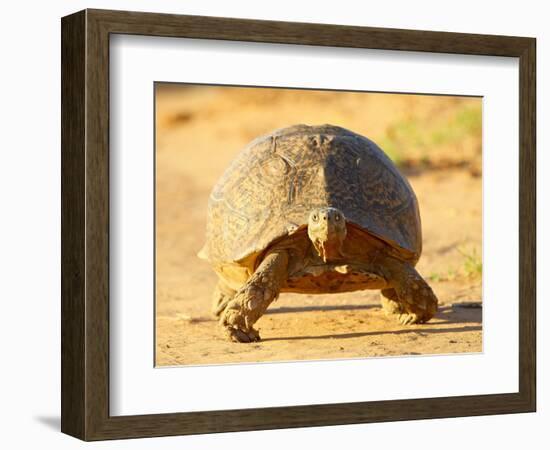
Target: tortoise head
[(327, 230)]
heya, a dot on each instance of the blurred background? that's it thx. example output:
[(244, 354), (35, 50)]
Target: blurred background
[(434, 140)]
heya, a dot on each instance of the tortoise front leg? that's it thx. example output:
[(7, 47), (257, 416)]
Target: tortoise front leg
[(253, 299), (410, 298), (390, 302)]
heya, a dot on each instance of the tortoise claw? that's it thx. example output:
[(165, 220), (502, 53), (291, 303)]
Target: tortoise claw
[(409, 319), (241, 336)]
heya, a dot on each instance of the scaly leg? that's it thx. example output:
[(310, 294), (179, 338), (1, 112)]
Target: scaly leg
[(411, 299), (253, 299), (390, 302)]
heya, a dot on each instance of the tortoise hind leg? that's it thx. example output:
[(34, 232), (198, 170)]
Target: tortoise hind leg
[(253, 299), (221, 296)]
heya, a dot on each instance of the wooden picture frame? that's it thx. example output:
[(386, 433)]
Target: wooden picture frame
[(85, 224)]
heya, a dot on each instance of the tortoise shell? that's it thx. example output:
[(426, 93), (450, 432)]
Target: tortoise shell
[(272, 185)]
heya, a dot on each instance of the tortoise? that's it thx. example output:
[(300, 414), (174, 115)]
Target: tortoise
[(313, 209)]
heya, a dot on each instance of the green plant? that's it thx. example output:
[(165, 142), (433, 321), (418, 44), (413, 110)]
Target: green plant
[(422, 138), (473, 266)]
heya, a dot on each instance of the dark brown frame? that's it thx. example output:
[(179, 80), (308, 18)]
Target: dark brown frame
[(85, 224)]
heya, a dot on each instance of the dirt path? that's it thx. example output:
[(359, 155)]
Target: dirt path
[(194, 145)]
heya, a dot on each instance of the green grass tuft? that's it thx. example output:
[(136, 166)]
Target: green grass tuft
[(473, 266), (425, 137)]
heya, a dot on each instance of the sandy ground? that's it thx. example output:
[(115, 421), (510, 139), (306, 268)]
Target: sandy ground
[(198, 133)]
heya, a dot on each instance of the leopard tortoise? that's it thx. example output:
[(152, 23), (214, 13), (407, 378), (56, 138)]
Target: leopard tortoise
[(313, 209)]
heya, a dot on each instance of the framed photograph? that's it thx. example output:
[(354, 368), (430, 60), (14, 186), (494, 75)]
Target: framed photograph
[(273, 225)]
